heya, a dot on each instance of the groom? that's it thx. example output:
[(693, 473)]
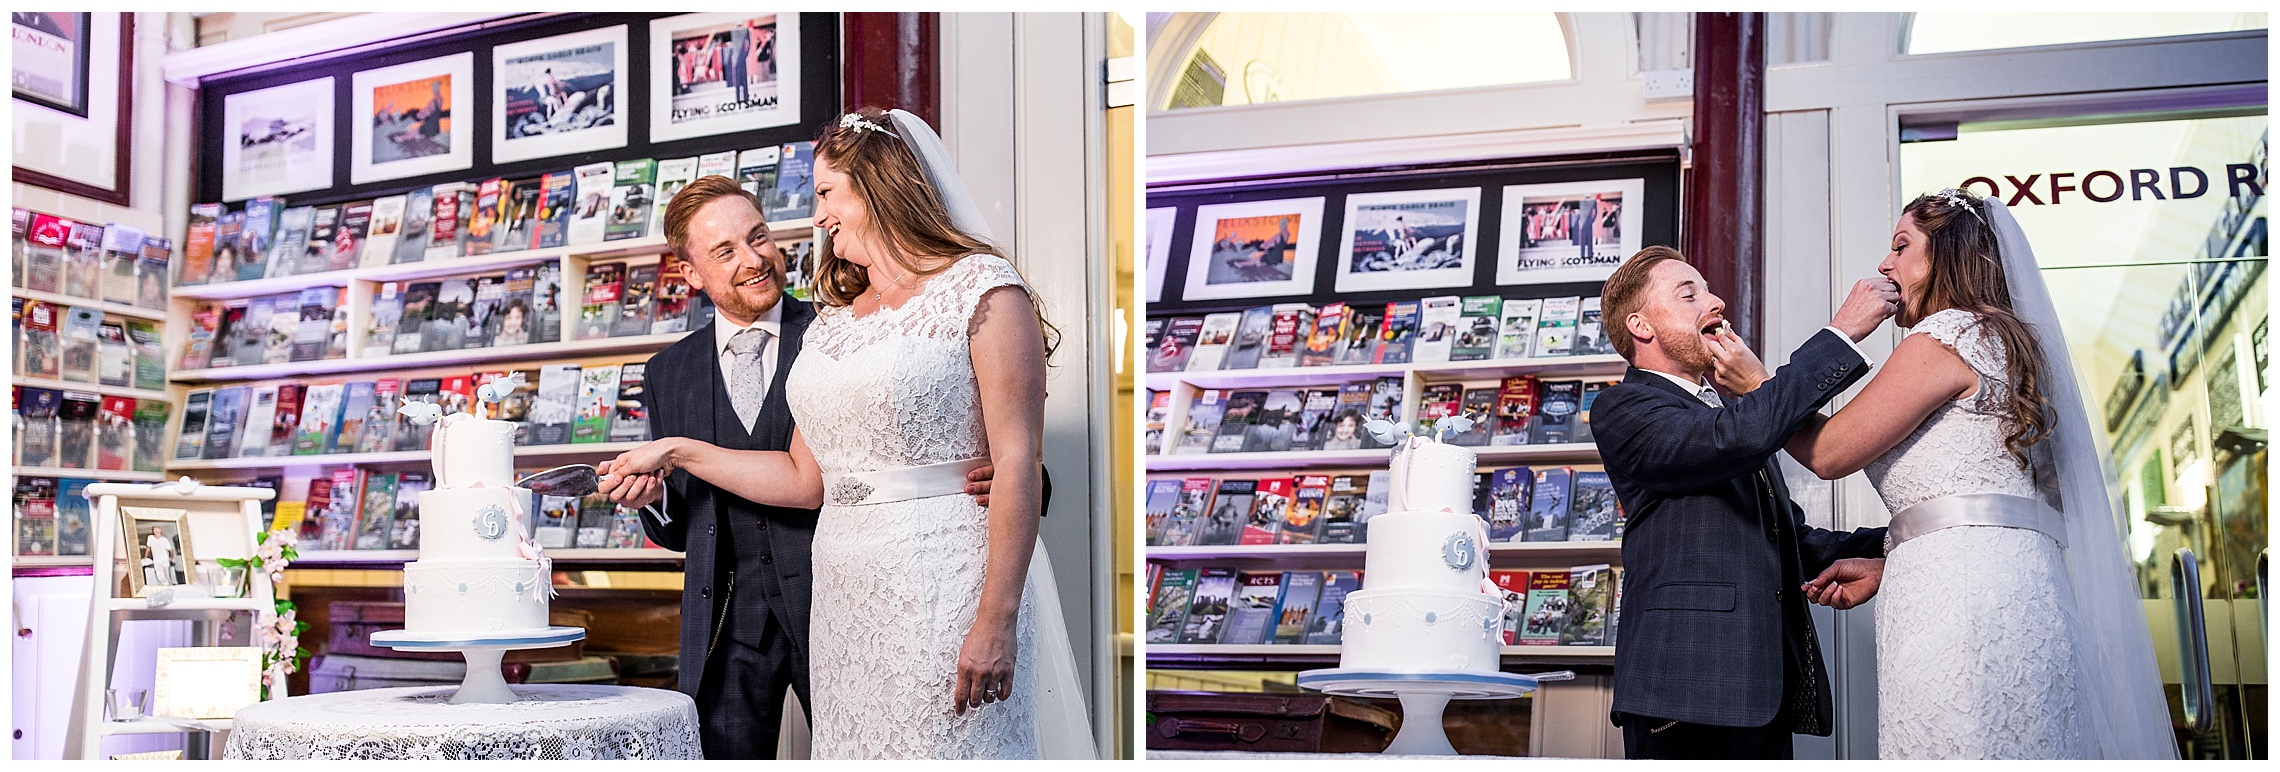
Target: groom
[(1717, 657), (745, 583)]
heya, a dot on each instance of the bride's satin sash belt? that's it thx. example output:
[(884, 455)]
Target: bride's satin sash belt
[(910, 482), (1997, 509)]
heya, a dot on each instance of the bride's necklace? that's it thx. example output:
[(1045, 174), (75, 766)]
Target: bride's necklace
[(881, 299)]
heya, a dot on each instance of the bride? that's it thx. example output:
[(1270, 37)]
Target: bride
[(934, 632), (2008, 624)]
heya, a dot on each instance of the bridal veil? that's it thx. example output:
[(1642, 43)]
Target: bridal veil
[(2121, 685), (1064, 729)]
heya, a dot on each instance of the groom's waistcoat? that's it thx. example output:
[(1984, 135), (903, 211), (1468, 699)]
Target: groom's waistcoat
[(766, 548), (1714, 629)]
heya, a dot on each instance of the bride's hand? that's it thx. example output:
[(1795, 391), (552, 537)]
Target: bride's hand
[(1846, 583), (653, 456), (633, 491), (1734, 366), (985, 667)]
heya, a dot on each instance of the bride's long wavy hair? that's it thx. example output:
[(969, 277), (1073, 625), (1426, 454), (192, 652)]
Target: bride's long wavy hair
[(1967, 273), (906, 210)]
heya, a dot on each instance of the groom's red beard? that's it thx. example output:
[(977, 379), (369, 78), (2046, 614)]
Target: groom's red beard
[(1687, 350), (751, 302)]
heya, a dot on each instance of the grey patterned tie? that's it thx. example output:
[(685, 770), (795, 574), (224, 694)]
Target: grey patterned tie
[(748, 380), (1710, 397)]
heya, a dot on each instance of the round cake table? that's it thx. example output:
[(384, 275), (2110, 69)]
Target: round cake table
[(553, 721)]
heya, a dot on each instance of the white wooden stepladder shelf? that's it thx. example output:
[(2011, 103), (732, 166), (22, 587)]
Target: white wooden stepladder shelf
[(88, 723)]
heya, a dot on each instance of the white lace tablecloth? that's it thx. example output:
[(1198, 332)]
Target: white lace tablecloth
[(554, 721)]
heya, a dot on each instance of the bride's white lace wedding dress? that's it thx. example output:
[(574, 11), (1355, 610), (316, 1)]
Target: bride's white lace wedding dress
[(896, 584), (1977, 646)]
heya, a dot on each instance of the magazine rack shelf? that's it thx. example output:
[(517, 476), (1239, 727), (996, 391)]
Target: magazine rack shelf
[(361, 285), (1348, 557), (114, 309), (500, 355), (82, 274), (571, 559), (1429, 371), (1215, 656), (1415, 377), (789, 230), (101, 475), (108, 391), (1579, 452), (526, 455)]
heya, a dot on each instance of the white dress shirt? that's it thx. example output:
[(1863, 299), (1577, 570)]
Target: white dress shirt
[(770, 322), (1697, 388)]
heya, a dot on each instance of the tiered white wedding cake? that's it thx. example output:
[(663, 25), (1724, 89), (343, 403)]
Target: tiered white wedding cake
[(480, 570), (1426, 604)]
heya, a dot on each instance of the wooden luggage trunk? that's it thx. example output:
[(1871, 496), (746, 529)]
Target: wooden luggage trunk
[(1266, 723)]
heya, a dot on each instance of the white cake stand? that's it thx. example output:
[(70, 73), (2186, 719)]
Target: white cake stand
[(1423, 696), (484, 682)]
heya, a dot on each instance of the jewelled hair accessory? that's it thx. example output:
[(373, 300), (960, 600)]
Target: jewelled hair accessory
[(1965, 202), (856, 123), (1962, 200)]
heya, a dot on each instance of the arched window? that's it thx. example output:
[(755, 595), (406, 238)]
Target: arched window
[(1939, 33), (1254, 58)]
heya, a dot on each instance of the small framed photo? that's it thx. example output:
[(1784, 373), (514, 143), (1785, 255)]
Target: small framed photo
[(284, 141), (1159, 249), (558, 95), (716, 73), (1409, 239), (412, 119), (1568, 231), (206, 681), (1254, 249), (157, 549)]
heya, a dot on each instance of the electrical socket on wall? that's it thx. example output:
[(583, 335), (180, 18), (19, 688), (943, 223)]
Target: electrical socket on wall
[(1665, 85)]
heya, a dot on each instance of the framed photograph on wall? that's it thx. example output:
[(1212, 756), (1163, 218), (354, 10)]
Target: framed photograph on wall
[(1159, 249), (1254, 249), (715, 73), (157, 549), (282, 140), (48, 64), (558, 95), (72, 102), (1568, 231), (1409, 239), (412, 119)]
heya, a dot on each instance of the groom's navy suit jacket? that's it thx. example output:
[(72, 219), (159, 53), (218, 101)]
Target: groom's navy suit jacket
[(768, 547), (1714, 629)]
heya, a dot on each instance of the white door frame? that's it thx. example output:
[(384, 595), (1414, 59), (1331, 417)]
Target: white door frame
[(1603, 92), (1024, 116), (1832, 192)]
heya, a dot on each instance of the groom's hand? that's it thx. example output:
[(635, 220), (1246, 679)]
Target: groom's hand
[(1733, 365), (1847, 583), (978, 485), (1872, 301)]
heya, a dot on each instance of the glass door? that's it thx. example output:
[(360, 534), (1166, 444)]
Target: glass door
[(2151, 230)]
